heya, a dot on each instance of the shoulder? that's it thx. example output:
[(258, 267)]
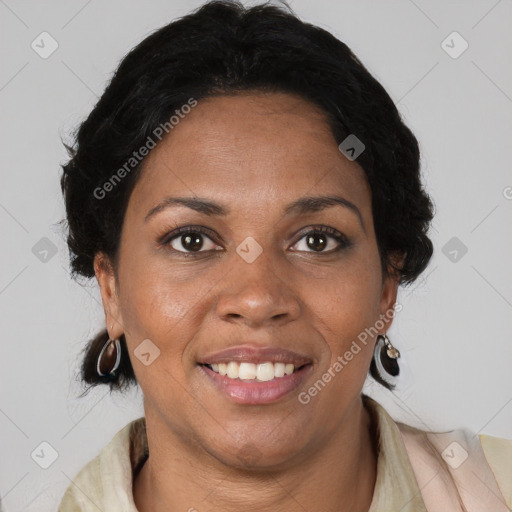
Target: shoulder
[(477, 467), (108, 476), (498, 452)]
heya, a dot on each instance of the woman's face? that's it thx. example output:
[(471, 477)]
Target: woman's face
[(251, 276)]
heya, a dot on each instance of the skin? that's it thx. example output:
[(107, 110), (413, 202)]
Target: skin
[(254, 153)]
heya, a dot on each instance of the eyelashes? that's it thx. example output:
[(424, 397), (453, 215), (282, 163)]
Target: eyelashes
[(191, 238), (191, 235), (325, 232)]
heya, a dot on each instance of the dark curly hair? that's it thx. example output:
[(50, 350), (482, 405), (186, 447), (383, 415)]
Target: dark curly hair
[(224, 48)]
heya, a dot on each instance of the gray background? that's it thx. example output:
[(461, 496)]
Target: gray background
[(455, 329)]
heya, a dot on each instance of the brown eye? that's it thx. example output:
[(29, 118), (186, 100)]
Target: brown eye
[(190, 240), (322, 239), (317, 241)]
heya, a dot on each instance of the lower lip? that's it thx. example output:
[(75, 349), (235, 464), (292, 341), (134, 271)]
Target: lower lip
[(254, 392)]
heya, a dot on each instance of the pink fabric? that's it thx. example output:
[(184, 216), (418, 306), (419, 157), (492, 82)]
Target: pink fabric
[(452, 471)]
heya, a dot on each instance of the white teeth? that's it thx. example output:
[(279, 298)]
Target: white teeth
[(288, 369), (247, 371), (279, 369), (233, 370), (265, 371), (250, 371)]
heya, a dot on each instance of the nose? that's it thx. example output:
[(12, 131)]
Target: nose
[(257, 295)]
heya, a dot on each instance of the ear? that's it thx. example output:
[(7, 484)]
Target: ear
[(390, 289), (105, 275)]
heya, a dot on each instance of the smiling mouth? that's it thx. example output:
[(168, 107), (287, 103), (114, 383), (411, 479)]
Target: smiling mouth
[(255, 372)]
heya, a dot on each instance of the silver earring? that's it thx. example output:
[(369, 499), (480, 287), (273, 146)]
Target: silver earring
[(386, 359), (110, 352)]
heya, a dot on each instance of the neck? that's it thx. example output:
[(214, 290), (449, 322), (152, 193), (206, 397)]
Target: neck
[(338, 477)]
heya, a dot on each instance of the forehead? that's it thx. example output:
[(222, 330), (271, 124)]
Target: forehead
[(259, 146)]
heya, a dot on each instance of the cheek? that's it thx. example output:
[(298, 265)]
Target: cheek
[(153, 313), (149, 305), (166, 304), (349, 301), (154, 296), (155, 306), (345, 308)]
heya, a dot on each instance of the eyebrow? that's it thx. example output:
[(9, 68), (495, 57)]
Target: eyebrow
[(302, 205)]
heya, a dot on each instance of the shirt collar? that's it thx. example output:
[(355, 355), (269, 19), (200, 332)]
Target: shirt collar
[(395, 487)]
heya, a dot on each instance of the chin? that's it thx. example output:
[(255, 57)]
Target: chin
[(259, 450)]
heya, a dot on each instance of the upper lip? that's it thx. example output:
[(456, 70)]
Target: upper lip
[(256, 355)]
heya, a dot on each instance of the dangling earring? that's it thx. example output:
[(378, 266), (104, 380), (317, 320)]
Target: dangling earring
[(109, 358), (385, 357)]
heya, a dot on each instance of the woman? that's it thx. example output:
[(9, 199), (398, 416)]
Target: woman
[(249, 201)]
